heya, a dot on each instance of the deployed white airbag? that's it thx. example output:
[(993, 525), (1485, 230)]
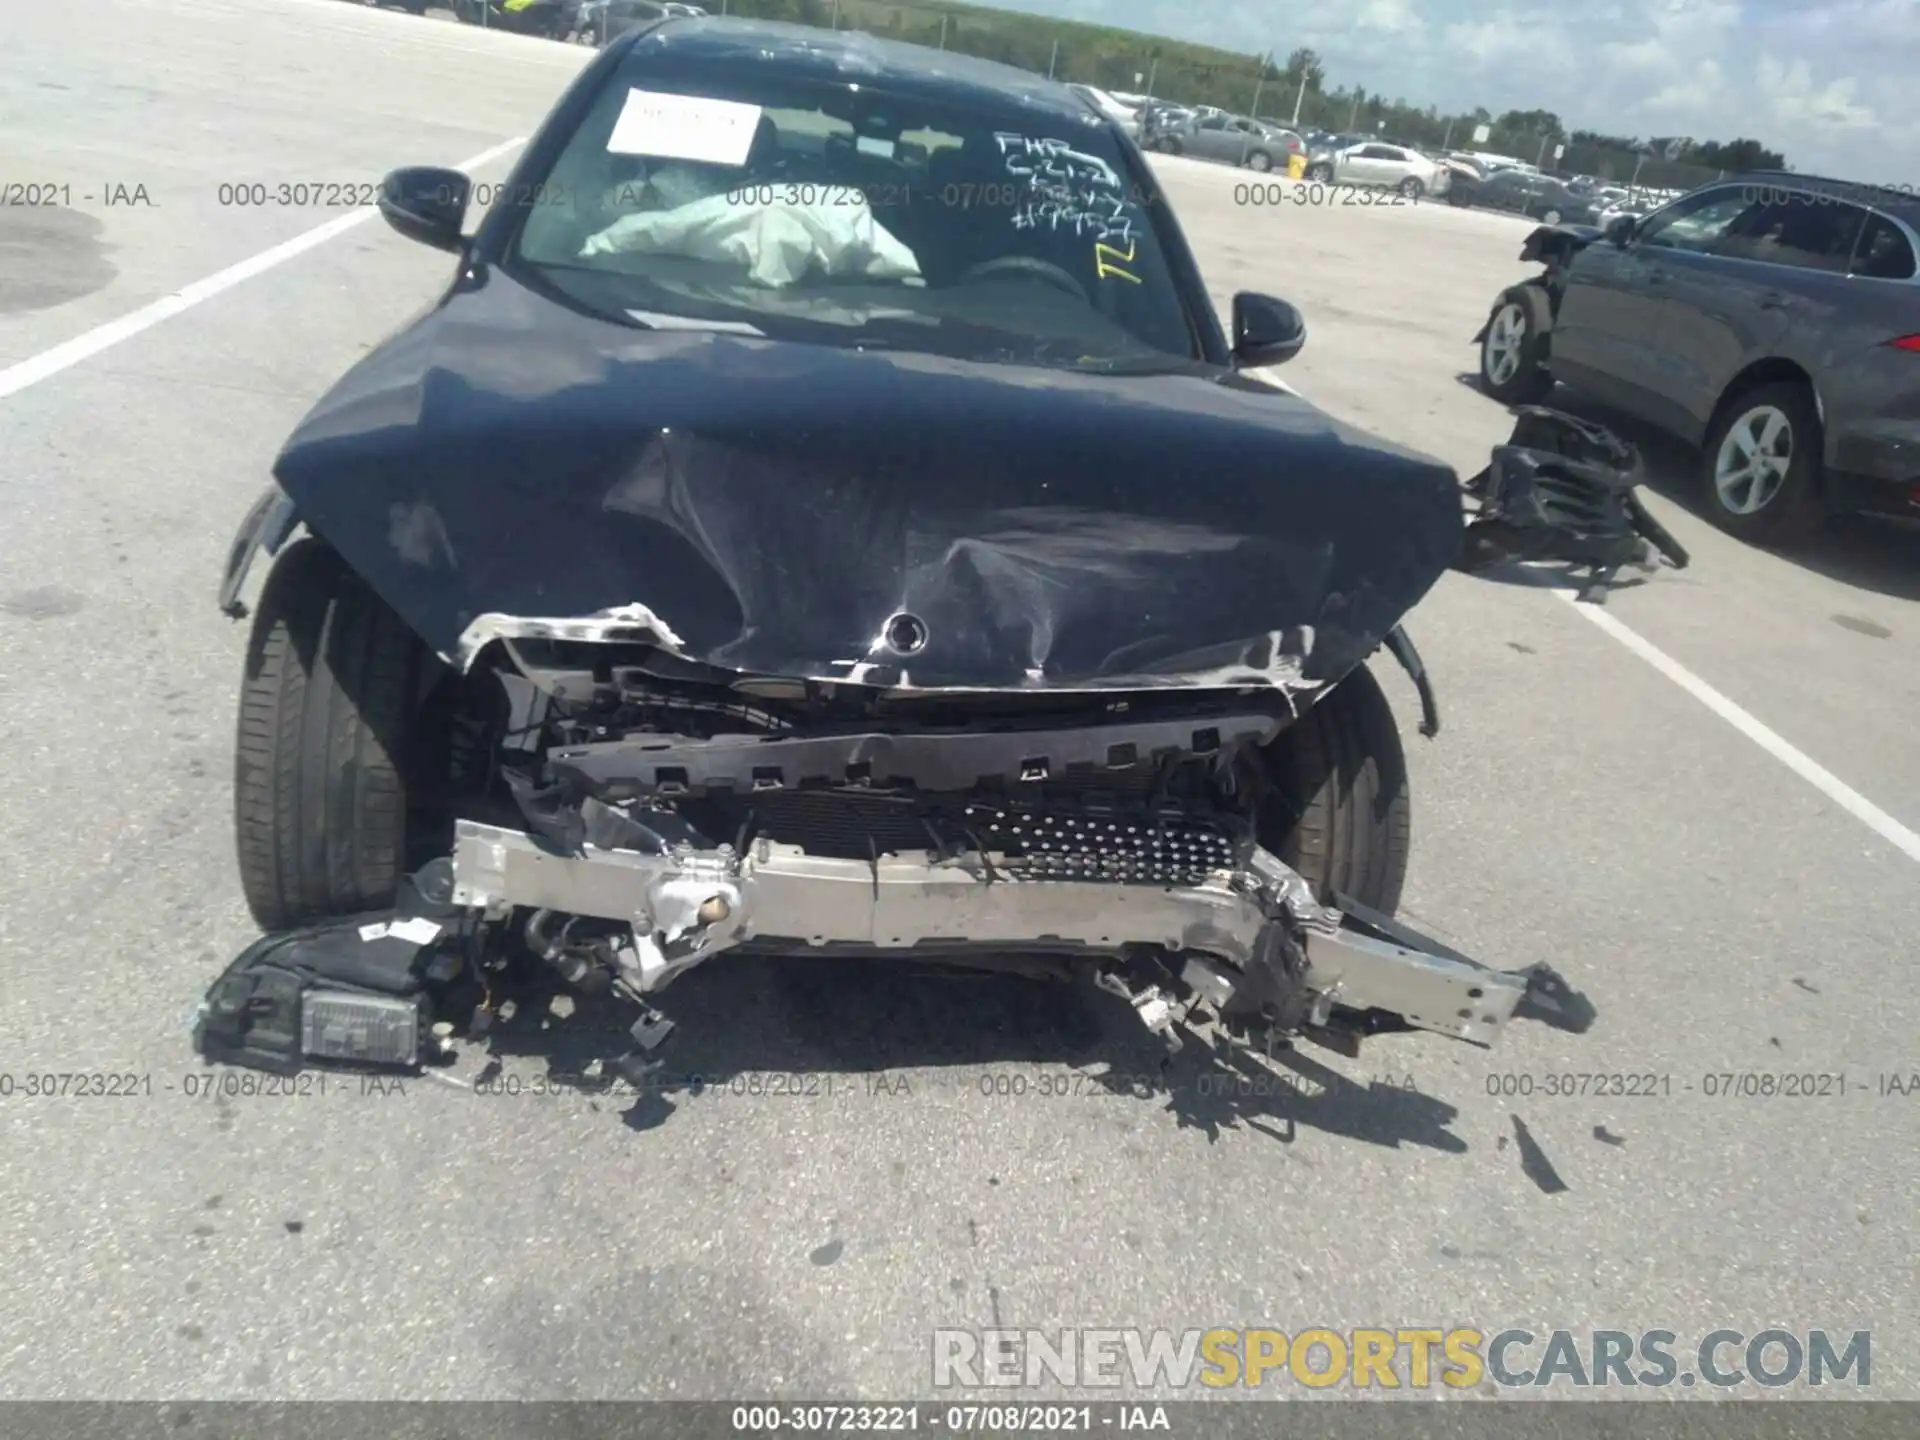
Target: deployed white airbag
[(778, 243)]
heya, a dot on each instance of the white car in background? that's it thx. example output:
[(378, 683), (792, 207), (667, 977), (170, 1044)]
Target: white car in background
[(1375, 162), (1126, 116)]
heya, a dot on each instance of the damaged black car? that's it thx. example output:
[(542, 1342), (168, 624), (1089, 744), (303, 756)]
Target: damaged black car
[(823, 516)]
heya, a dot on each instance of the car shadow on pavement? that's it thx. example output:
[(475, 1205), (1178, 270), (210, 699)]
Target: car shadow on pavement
[(1867, 554), (791, 1029)]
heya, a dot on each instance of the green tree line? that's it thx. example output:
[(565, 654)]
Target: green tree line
[(1276, 89)]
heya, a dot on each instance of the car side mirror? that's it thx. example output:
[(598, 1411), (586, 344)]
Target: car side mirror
[(1266, 331), (427, 203), (1620, 230)]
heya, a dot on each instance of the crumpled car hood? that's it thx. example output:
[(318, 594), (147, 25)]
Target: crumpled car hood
[(768, 506)]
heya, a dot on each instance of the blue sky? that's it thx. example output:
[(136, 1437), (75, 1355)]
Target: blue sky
[(1834, 84)]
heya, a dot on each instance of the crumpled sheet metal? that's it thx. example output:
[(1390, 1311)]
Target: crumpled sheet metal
[(1562, 489), (769, 507)]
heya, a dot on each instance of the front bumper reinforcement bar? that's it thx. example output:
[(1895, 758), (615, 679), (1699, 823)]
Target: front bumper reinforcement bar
[(1261, 922)]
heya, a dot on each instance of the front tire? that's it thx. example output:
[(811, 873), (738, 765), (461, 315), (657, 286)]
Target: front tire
[(1412, 188), (1762, 464), (1513, 355), (321, 769), (1338, 810), (1322, 172)]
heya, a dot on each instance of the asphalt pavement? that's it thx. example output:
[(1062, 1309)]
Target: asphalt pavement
[(1676, 804)]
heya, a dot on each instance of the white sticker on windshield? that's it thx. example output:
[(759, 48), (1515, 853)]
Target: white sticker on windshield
[(684, 127), (874, 145)]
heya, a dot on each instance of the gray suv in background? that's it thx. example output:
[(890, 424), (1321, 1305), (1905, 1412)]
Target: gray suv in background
[(1771, 319)]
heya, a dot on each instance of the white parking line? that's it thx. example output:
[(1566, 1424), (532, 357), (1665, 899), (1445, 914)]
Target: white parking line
[(64, 356), (1815, 774)]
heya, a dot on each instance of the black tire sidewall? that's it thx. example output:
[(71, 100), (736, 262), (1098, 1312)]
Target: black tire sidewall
[(1796, 506), (321, 793), (1338, 810)]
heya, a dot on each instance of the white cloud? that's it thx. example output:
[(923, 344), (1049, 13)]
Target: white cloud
[(1396, 17)]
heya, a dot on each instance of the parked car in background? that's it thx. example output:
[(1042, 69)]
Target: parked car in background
[(1773, 319), (1235, 139), (1158, 117), (607, 20), (1611, 208), (1127, 117), (1323, 144), (553, 19), (1375, 162), (1460, 167), (1523, 192)]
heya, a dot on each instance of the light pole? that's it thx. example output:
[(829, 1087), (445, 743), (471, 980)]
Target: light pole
[(1259, 81)]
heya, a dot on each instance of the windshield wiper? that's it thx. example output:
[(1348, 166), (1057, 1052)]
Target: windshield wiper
[(660, 320)]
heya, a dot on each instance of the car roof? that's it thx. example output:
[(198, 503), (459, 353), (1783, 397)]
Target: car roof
[(857, 58), (1903, 203)]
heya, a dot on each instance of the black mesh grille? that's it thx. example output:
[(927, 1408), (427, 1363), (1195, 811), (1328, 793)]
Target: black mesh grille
[(1125, 846), (1127, 834)]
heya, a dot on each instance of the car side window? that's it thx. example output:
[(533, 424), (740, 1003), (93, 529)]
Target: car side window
[(1806, 231), (1214, 122), (1697, 222), (1883, 251)]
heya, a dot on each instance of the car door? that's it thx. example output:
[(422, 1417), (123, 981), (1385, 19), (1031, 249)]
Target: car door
[(1210, 138), (1608, 334), (1369, 165), (1397, 163), (1778, 267), (1502, 190), (1242, 136)]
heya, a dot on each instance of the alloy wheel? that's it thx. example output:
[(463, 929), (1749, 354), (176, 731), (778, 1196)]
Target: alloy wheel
[(1506, 334), (1753, 460)]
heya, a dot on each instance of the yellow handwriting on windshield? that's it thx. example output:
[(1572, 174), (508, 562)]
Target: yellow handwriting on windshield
[(1107, 261)]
